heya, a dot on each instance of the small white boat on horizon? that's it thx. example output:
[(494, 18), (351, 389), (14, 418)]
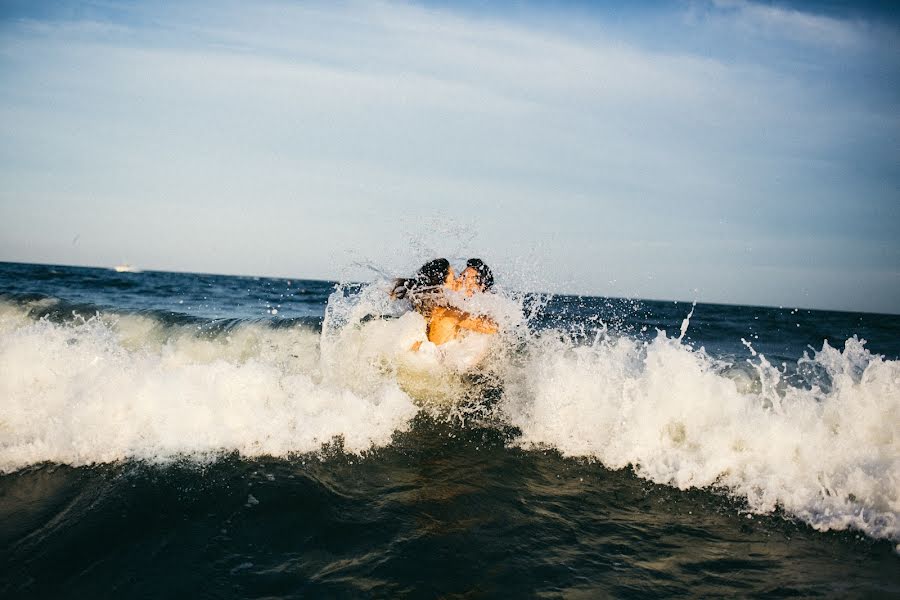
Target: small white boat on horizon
[(126, 268)]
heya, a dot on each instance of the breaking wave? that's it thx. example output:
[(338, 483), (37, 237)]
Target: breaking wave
[(824, 447)]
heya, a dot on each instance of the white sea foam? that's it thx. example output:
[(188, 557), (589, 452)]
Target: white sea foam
[(107, 389), (110, 388), (829, 455)]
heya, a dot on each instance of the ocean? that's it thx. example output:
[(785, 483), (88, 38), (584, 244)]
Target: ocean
[(190, 435)]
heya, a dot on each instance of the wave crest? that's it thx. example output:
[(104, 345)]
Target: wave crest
[(819, 441), (828, 454), (107, 389)]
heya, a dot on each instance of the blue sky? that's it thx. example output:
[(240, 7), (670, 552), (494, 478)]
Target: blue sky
[(724, 151)]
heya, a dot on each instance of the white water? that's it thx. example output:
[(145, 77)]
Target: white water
[(112, 389), (830, 458), (107, 389), (116, 387)]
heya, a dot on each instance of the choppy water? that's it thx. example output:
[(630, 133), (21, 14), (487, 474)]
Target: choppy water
[(169, 434)]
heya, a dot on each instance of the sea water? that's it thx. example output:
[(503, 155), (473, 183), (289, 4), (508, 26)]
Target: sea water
[(171, 434)]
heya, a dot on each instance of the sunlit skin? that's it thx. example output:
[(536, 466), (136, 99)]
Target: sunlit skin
[(451, 281), (467, 282), (445, 323)]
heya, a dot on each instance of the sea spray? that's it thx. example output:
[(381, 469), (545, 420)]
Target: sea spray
[(829, 455), (818, 440), (82, 392), (368, 337)]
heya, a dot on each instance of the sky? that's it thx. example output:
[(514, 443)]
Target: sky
[(718, 151)]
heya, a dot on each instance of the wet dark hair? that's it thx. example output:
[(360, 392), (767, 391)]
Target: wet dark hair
[(429, 278), (484, 275)]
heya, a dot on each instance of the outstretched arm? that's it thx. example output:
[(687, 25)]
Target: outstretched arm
[(478, 324)]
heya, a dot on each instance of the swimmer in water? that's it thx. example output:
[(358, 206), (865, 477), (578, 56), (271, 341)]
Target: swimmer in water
[(425, 291), (447, 322)]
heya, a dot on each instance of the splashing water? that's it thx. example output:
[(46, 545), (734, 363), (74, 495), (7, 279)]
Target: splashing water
[(119, 386), (831, 458)]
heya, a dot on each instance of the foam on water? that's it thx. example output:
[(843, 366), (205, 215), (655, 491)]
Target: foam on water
[(107, 389), (829, 455), (116, 387)]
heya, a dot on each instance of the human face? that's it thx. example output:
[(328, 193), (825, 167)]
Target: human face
[(468, 281), (451, 281)]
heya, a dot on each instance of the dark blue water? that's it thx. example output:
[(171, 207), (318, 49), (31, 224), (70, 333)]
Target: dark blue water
[(256, 471)]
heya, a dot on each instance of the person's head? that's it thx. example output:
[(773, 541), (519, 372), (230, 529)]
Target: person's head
[(476, 277), (434, 273), (428, 281)]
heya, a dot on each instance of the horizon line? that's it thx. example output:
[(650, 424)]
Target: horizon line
[(548, 293)]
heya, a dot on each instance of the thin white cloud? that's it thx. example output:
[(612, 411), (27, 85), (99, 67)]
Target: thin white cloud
[(776, 21)]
